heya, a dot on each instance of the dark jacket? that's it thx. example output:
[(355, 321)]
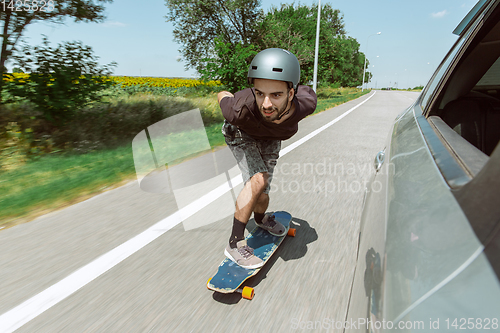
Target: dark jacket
[(242, 111)]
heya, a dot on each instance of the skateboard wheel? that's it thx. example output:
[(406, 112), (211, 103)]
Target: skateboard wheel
[(292, 232), (208, 283), (247, 292)]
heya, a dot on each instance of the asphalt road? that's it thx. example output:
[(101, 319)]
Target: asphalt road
[(56, 275)]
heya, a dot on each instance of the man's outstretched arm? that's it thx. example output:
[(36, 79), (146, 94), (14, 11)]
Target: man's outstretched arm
[(223, 94)]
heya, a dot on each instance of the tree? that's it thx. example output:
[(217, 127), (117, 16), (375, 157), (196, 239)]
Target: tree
[(230, 64), (341, 62), (198, 23), (62, 80), (18, 15), (220, 37), (294, 28)]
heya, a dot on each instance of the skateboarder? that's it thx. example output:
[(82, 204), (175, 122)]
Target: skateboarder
[(256, 121)]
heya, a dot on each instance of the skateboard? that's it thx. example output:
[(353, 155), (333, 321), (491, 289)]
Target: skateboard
[(230, 276)]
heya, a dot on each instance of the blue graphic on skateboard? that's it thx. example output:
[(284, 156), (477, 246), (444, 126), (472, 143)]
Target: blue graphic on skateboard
[(230, 276)]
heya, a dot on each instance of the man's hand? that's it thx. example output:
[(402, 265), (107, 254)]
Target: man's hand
[(223, 94)]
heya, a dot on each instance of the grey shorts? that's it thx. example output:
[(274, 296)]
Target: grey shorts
[(253, 155)]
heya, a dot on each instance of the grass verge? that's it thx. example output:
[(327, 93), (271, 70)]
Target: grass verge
[(337, 97), (54, 182)]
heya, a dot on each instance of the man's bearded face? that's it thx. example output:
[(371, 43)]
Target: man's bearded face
[(273, 98)]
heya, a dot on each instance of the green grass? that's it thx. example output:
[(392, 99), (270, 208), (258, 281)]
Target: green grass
[(55, 181), (59, 180), (334, 98)]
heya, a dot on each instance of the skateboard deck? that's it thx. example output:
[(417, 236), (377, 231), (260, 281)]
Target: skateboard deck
[(230, 276)]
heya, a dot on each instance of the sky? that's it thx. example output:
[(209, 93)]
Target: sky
[(415, 36)]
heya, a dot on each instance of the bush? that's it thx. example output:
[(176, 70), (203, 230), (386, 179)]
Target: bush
[(61, 80), (230, 66), (24, 135), (329, 92), (96, 126), (13, 147), (118, 122)]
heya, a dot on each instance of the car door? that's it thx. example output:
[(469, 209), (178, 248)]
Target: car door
[(428, 249)]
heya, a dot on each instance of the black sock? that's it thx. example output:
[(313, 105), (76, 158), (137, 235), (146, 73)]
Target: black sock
[(258, 217), (238, 233)]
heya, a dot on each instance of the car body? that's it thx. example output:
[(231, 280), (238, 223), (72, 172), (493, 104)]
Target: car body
[(429, 243)]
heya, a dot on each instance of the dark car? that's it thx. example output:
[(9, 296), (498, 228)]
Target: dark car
[(429, 246)]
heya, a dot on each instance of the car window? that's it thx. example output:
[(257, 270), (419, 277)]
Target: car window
[(469, 102), (438, 76), (491, 78), (461, 105)]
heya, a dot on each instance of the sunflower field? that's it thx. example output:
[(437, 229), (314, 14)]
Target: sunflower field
[(160, 82), (13, 76), (163, 86), (134, 84)]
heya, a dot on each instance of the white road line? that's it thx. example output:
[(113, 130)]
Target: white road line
[(30, 309), (297, 143)]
